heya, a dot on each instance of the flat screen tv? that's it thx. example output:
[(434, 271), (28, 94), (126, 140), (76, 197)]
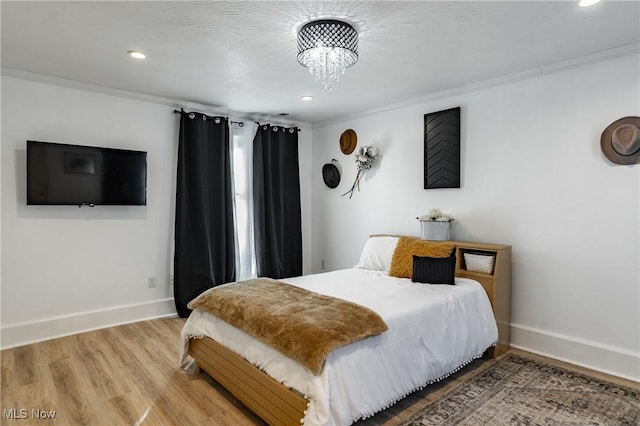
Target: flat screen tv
[(60, 174)]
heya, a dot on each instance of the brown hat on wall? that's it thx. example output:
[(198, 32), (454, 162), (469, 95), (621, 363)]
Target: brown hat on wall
[(620, 141), (348, 141)]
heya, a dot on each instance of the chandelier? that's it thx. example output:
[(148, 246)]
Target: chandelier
[(327, 48)]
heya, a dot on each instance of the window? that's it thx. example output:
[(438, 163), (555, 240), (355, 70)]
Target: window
[(242, 157)]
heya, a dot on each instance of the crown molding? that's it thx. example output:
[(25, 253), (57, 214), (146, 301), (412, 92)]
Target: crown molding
[(141, 97), (582, 61), (277, 120)]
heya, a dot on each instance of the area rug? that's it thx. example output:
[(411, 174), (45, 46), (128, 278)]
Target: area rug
[(521, 391)]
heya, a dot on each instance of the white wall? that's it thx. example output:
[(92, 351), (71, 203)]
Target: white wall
[(533, 177), (67, 269)]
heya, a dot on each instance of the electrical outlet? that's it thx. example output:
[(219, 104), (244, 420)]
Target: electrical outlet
[(323, 264), (151, 282)]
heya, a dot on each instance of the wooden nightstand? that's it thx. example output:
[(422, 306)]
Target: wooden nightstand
[(497, 285)]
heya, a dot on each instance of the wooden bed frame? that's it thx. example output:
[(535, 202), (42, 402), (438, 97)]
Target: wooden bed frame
[(281, 405)]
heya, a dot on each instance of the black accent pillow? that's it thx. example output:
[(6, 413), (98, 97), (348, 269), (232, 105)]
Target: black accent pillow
[(434, 270)]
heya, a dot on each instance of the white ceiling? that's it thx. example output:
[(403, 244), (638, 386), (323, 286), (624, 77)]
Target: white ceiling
[(240, 56)]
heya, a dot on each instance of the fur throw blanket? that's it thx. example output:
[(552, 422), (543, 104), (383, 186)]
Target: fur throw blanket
[(303, 325)]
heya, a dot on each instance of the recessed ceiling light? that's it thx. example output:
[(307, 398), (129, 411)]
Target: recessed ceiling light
[(307, 98), (585, 3), (136, 54)]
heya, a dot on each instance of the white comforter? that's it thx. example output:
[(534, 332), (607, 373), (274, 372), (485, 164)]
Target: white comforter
[(433, 331)]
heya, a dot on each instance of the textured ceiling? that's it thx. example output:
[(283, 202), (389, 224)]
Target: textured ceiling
[(241, 56)]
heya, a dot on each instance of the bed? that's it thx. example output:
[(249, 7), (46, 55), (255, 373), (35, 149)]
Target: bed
[(433, 331)]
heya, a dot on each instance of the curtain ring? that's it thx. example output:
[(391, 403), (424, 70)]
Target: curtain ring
[(217, 120), (191, 115), (291, 130), (265, 127), (241, 124), (275, 128), (204, 117)]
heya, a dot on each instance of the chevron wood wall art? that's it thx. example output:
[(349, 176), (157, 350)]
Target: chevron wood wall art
[(442, 149)]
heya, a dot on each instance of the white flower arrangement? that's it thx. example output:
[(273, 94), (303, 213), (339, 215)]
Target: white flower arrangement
[(435, 215), (365, 157)]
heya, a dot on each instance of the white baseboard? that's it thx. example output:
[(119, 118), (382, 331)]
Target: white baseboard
[(25, 333), (606, 359)]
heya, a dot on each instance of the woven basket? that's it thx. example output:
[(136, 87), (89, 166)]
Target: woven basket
[(479, 262)]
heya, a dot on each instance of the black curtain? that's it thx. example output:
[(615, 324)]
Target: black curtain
[(276, 200), (204, 233)]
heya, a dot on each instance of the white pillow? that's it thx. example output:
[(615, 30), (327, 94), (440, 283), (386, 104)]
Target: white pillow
[(377, 253)]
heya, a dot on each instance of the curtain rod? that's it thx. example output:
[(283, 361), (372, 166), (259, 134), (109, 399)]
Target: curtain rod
[(278, 125), (239, 123)]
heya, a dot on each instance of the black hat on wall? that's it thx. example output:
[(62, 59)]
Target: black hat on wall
[(331, 175)]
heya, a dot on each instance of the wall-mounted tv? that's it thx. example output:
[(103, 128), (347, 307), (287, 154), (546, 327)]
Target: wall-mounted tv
[(61, 174)]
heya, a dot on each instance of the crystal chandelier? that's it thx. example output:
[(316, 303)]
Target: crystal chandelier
[(327, 48)]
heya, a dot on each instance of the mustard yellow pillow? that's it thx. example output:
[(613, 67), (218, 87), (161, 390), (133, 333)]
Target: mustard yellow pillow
[(402, 260)]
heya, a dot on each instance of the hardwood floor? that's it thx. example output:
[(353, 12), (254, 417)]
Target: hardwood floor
[(129, 375), (125, 375)]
